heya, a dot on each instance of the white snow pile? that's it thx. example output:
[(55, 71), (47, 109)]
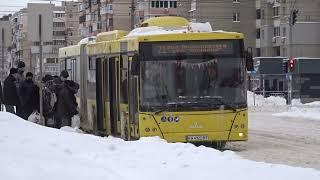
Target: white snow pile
[(155, 30), (32, 152), (303, 111), (259, 100)]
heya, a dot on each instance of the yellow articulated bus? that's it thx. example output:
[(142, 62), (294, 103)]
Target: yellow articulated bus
[(180, 85)]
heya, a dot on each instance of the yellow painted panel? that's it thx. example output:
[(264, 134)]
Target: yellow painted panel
[(166, 21), (103, 48), (69, 51), (111, 35)]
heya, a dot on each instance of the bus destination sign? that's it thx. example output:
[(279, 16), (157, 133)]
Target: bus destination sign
[(193, 48)]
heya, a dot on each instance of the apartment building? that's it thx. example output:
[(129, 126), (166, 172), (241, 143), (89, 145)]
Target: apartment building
[(97, 16), (272, 28), (232, 15), (60, 28), (146, 9), (71, 9), (20, 47), (5, 42)]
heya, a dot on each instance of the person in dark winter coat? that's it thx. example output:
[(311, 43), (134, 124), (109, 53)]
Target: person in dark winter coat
[(10, 93), (19, 80), (66, 106), (1, 97), (49, 99), (29, 95)]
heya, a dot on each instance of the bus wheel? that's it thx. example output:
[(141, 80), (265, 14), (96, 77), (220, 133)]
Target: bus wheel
[(219, 145)]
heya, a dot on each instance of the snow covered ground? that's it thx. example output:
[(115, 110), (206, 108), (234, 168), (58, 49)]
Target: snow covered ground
[(282, 134), (29, 151)]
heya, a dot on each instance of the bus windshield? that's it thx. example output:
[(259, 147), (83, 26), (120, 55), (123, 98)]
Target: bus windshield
[(199, 81)]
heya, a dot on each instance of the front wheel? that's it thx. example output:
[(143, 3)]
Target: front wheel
[(219, 145)]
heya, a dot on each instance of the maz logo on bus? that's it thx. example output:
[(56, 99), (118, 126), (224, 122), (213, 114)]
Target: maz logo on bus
[(170, 119)]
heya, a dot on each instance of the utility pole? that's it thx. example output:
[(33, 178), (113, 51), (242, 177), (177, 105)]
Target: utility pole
[(2, 52), (40, 59), (292, 21), (132, 13)]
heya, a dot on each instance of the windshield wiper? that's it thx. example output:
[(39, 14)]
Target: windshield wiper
[(217, 98), (181, 104)]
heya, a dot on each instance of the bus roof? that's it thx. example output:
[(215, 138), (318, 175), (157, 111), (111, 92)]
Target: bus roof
[(69, 51)]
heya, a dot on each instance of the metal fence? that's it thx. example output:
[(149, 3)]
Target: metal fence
[(269, 85)]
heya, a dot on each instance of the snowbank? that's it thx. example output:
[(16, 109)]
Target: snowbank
[(308, 111), (30, 151), (259, 100)]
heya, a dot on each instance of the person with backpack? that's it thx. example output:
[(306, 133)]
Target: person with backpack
[(10, 93), (49, 99), (29, 95)]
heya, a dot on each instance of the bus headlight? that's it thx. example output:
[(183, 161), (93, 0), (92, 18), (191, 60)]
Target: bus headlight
[(240, 134)]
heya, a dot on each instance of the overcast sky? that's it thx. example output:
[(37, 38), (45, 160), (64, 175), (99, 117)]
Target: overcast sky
[(9, 6)]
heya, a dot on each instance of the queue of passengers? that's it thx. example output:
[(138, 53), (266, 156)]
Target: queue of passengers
[(20, 96)]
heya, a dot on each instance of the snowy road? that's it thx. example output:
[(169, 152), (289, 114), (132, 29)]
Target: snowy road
[(280, 140)]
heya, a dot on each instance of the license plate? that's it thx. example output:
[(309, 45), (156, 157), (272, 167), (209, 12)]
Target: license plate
[(197, 138)]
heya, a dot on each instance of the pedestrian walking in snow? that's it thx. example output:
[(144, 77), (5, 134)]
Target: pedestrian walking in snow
[(10, 92), (29, 95)]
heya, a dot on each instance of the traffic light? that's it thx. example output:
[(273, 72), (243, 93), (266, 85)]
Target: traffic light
[(291, 65), (294, 16), (285, 66)]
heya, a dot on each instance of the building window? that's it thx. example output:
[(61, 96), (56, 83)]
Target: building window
[(276, 31), (258, 52), (174, 4), (153, 4), (59, 33), (284, 11), (161, 4), (58, 24), (258, 33), (157, 4), (284, 31), (276, 51), (275, 11), (236, 17), (236, 1), (258, 12), (165, 4)]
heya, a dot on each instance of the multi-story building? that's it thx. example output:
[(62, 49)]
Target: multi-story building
[(272, 28), (71, 22), (146, 9), (5, 42), (233, 15), (97, 16), (20, 47)]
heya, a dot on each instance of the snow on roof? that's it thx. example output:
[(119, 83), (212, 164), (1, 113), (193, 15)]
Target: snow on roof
[(30, 151), (87, 40), (155, 30)]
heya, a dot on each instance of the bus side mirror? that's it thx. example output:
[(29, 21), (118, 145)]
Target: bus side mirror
[(249, 60), (135, 66)]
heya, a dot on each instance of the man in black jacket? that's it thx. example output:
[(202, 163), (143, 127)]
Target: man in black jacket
[(10, 93), (29, 95), (66, 106)]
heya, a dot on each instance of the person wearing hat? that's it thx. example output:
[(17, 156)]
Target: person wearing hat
[(10, 93), (29, 93), (66, 106)]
